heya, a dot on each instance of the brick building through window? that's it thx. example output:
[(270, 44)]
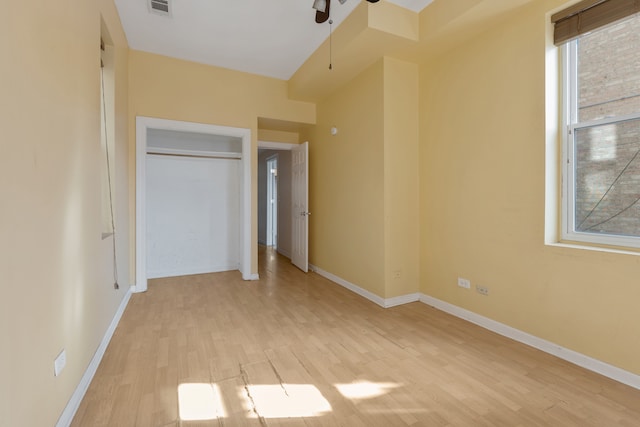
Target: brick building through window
[(606, 157)]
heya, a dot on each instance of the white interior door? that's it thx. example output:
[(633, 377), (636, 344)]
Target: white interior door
[(300, 204)]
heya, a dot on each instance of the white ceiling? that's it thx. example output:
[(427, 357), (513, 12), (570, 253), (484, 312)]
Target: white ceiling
[(267, 37)]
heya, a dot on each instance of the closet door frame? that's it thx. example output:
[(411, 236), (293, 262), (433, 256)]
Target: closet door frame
[(143, 124)]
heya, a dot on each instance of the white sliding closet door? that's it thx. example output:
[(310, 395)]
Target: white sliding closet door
[(193, 215)]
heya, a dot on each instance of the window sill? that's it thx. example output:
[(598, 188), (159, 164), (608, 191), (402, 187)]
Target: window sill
[(595, 247)]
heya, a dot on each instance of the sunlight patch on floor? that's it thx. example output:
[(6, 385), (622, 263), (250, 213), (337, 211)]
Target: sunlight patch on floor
[(200, 402), (285, 401), (365, 389)]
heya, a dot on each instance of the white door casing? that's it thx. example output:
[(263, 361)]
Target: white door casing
[(300, 206)]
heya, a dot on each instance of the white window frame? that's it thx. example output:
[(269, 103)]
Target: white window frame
[(571, 124)]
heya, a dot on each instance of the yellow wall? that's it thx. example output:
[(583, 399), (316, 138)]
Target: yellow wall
[(364, 181), (472, 205), (482, 200), (346, 234), (174, 89), (401, 201), (57, 283)]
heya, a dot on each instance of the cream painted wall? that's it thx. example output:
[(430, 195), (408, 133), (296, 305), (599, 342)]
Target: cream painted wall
[(364, 181), (482, 200), (57, 283), (401, 201), (174, 89), (346, 183), (481, 184)]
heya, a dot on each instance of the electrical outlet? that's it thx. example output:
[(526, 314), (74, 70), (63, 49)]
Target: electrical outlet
[(464, 283), (59, 363), (482, 290)]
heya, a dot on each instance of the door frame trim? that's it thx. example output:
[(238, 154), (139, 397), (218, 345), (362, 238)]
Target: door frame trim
[(270, 145), (143, 124)]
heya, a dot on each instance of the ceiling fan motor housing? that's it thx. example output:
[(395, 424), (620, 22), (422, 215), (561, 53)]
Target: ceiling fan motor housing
[(323, 8)]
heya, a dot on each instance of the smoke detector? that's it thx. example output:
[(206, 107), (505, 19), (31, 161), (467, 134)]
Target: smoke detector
[(160, 7)]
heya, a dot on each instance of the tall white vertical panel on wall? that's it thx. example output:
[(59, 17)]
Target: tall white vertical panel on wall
[(193, 215)]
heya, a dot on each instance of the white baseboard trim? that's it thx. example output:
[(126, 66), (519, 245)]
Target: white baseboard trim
[(346, 284), (401, 300), (252, 276), (76, 398), (574, 357), (382, 302)]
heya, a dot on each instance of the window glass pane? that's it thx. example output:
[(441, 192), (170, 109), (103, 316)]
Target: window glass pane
[(608, 77), (607, 178)]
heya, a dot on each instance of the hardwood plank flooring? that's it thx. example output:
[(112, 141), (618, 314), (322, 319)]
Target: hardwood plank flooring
[(295, 349)]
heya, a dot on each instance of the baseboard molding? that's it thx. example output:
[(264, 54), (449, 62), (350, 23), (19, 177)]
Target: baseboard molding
[(252, 276), (382, 302), (594, 365), (76, 398), (401, 300), (346, 284)]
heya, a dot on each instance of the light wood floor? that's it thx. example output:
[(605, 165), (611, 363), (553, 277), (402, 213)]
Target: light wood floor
[(323, 356)]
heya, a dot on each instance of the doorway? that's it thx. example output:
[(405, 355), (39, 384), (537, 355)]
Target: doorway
[(278, 238)]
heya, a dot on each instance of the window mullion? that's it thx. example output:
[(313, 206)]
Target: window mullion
[(605, 121)]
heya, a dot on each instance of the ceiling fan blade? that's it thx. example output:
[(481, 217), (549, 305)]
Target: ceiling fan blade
[(323, 16)]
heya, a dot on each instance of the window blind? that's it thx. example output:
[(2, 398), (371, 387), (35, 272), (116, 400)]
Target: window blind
[(589, 15)]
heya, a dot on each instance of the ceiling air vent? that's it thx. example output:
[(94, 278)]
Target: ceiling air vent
[(161, 7)]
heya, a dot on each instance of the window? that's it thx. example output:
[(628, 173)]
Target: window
[(601, 155)]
